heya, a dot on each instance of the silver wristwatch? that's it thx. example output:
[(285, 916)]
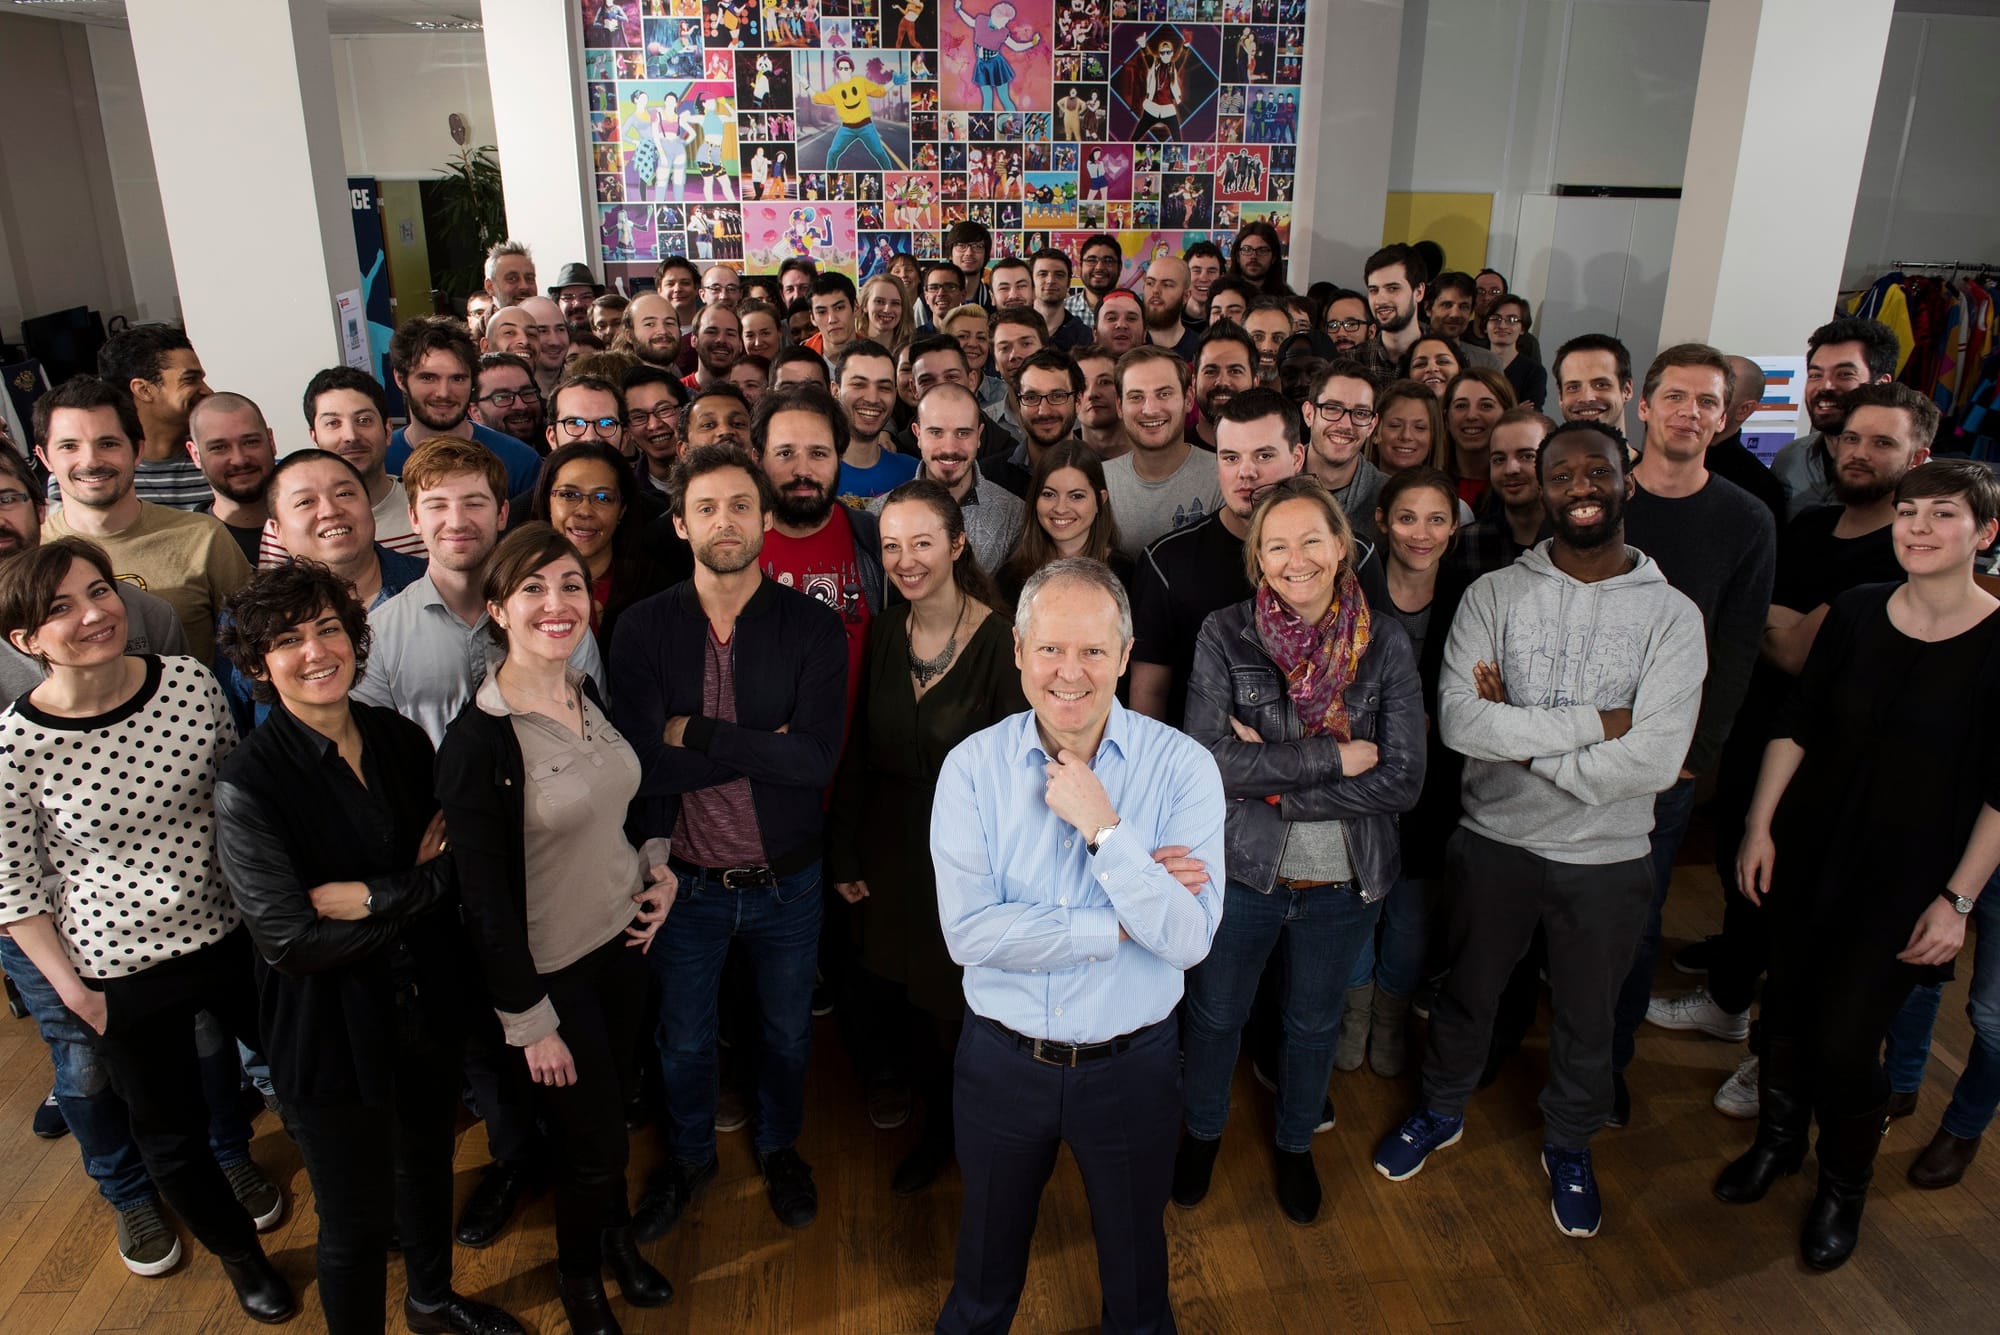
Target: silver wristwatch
[(1099, 835), (1956, 900)]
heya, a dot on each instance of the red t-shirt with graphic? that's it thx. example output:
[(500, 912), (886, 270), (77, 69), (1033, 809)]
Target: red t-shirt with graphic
[(823, 566)]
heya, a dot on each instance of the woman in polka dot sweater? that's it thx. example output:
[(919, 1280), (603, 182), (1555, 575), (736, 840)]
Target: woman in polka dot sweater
[(109, 880)]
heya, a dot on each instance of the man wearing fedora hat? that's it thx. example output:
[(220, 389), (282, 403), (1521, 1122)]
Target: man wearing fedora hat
[(573, 291)]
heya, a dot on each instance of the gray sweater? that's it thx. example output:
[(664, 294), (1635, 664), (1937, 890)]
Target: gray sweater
[(1539, 772)]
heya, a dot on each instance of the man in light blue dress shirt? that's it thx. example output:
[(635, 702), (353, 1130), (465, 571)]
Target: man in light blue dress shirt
[(1079, 872)]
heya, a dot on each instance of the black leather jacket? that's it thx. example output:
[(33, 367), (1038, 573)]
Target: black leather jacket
[(1234, 677)]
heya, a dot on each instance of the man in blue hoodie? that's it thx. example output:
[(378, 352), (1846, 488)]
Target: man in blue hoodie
[(1571, 684)]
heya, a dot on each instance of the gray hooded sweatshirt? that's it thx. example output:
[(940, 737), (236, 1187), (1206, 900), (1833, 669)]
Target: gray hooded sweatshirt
[(1566, 650)]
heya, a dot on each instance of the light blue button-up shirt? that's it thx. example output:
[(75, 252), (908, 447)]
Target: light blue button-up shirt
[(1034, 916)]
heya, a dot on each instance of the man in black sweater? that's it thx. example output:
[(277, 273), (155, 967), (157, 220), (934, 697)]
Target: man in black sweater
[(732, 689), (1718, 545)]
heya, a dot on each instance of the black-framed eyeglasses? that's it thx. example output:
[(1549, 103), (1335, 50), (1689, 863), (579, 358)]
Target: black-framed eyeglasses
[(1256, 249), (576, 426), (664, 415), (1510, 319), (1060, 398), (603, 498), (1347, 326), (1333, 410), (506, 398)]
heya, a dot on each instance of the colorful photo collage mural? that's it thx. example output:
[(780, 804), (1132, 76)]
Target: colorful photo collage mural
[(753, 131)]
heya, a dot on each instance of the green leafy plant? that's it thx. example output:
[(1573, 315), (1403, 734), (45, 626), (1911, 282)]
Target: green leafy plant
[(471, 207)]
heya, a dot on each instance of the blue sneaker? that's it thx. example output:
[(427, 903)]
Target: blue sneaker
[(1573, 1198), (1402, 1152)]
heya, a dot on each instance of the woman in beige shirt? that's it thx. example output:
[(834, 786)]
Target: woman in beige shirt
[(534, 782)]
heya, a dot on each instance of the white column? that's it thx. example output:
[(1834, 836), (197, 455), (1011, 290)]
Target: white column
[(534, 61), (1781, 122), (1347, 115), (246, 141)]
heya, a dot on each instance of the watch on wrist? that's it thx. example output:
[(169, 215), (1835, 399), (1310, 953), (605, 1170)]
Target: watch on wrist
[(368, 904), (1099, 835), (1956, 900)]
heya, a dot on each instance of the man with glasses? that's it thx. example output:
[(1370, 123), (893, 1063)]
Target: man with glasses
[(507, 399), (1487, 287), (1255, 260), (573, 291), (970, 246), (1100, 264), (1347, 321), (586, 407), (721, 284), (944, 292), (653, 403), (1340, 414), (1066, 314), (1046, 390)]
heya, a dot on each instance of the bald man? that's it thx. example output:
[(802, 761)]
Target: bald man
[(236, 449), (507, 331), (1163, 294), (548, 341), (718, 345), (949, 427), (1730, 458), (654, 330)]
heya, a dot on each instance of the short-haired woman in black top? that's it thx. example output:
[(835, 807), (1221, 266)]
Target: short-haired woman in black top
[(330, 837), (1875, 825)]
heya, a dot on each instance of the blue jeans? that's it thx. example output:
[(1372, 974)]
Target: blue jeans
[(1396, 964), (1671, 812), (1321, 932), (779, 927), (1977, 1094), (870, 140), (95, 1114)]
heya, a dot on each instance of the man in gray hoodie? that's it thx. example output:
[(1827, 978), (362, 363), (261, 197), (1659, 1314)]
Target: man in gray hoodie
[(1571, 683)]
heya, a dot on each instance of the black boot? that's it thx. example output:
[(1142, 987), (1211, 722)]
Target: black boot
[(586, 1305), (642, 1285), (260, 1290), (1194, 1164), (1847, 1149), (1784, 1122)]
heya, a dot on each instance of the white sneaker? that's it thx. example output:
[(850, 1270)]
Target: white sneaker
[(1697, 1010), (1738, 1095)]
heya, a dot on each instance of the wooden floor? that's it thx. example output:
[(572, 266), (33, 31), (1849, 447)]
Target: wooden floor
[(1467, 1245)]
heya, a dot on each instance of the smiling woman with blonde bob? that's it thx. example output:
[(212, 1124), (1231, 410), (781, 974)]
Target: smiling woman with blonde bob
[(1314, 712)]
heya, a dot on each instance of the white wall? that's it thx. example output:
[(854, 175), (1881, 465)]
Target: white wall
[(1514, 97), (134, 181), (61, 242), (397, 94)]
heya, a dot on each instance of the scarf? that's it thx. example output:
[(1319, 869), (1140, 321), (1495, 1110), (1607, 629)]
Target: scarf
[(1319, 660)]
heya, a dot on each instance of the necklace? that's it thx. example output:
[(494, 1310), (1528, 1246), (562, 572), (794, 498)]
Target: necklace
[(927, 670), (567, 699)]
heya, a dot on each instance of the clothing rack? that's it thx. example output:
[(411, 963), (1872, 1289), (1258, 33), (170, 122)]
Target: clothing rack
[(1944, 264)]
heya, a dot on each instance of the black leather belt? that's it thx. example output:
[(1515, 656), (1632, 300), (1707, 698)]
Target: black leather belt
[(745, 878), (1051, 1053)]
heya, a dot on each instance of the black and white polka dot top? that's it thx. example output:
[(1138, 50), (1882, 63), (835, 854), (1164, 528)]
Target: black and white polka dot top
[(108, 823)]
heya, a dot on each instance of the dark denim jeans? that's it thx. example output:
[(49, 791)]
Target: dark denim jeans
[(1321, 932), (1396, 963), (1977, 1094), (1671, 811), (96, 1115), (779, 927)]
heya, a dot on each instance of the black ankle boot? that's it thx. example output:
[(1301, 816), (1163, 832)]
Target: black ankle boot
[(642, 1285), (1847, 1149), (1784, 1120), (1194, 1164), (586, 1305), (260, 1290)]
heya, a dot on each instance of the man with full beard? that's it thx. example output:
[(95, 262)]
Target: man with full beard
[(1840, 356), (507, 399), (434, 362), (718, 345), (234, 446), (1396, 285), (1047, 389), (1224, 366), (816, 545), (1565, 750), (1165, 289), (654, 331), (948, 430)]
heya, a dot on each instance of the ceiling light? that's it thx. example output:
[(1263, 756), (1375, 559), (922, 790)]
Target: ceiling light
[(447, 25)]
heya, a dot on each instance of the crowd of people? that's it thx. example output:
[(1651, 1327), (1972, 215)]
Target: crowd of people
[(1069, 686)]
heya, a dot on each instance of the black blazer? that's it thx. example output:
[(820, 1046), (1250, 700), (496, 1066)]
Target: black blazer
[(790, 656), (292, 815), (480, 781)]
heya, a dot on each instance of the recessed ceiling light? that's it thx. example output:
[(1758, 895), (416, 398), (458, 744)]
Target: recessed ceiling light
[(447, 25)]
